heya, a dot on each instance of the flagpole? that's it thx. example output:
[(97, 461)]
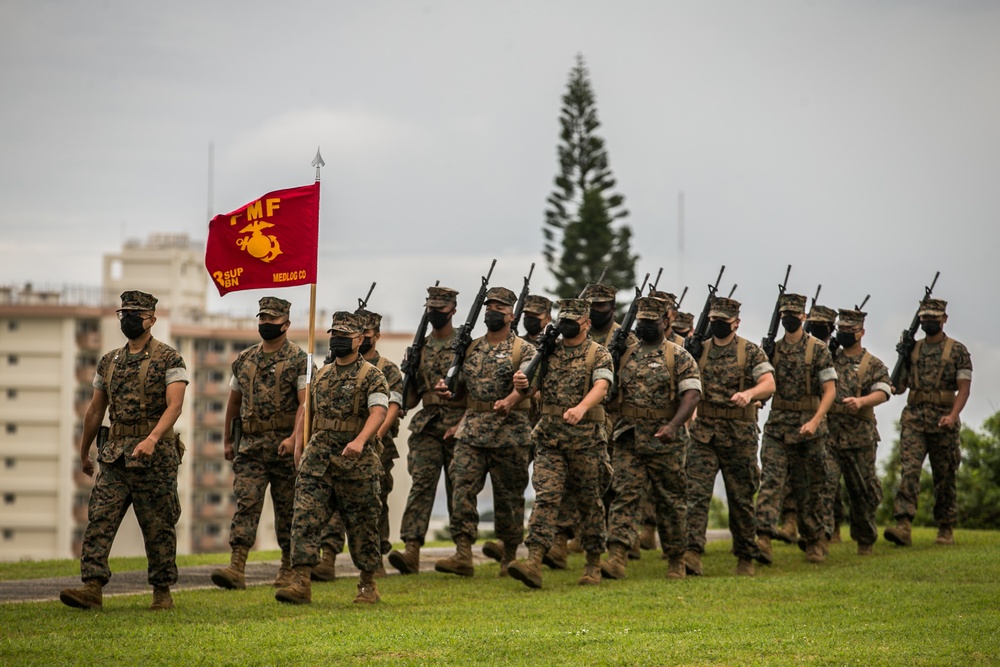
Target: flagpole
[(317, 162)]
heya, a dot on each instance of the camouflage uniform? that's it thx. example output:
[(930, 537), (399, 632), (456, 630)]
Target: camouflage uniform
[(148, 484), (854, 436), (785, 452), (933, 383), (430, 453), (724, 438), (328, 482), (650, 390), (270, 386), (487, 443), (570, 460), (683, 322)]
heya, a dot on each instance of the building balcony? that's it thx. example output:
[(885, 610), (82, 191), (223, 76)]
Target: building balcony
[(213, 389), (209, 419), (222, 479), (206, 544), (89, 340), (220, 511), (210, 450)]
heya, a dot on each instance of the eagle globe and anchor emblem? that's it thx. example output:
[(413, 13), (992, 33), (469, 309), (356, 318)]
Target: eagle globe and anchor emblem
[(263, 247)]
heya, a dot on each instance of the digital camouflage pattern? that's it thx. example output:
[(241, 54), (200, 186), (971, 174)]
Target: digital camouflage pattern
[(327, 481), (488, 443), (790, 377)]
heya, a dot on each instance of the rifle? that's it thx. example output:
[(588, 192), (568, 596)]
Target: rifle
[(700, 333), (730, 295), (519, 308), (411, 358), (657, 281), (463, 337), (867, 296), (619, 339), (363, 303), (547, 343), (102, 438), (236, 433), (907, 341), (772, 330), (808, 326), (812, 304), (683, 294)]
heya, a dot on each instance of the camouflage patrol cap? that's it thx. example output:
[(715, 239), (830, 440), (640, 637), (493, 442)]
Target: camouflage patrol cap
[(670, 299), (822, 314), (792, 303), (853, 320), (345, 323), (273, 306), (683, 321), (501, 295), (574, 309), (536, 304), (930, 307), (724, 307), (136, 300), (650, 308), (439, 297), (369, 320), (599, 293)]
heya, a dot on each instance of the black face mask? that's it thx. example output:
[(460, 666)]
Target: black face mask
[(647, 331), (845, 339), (438, 319), (269, 330), (821, 330), (569, 328), (495, 320), (601, 320), (131, 325), (366, 345), (341, 346), (683, 333), (720, 328), (792, 323), (931, 328), (532, 324)]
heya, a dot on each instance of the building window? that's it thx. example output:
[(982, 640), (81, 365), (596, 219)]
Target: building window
[(215, 406), (11, 325), (213, 466), (9, 498), (11, 393), (215, 436), (213, 499), (8, 534), (217, 346), (215, 376), (12, 360), (213, 529), (9, 462), (11, 429)]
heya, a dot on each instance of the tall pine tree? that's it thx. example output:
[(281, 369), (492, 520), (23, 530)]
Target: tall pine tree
[(582, 229)]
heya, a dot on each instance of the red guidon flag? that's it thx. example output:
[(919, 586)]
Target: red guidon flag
[(271, 242)]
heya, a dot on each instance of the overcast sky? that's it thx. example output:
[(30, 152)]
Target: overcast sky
[(857, 141)]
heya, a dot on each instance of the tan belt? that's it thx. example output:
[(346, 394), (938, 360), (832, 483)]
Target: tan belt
[(487, 406), (279, 422), (808, 404), (647, 413), (139, 430), (349, 425), (429, 398), (867, 414), (918, 396), (747, 414), (595, 414)]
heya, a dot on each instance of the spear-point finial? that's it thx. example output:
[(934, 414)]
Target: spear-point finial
[(318, 162)]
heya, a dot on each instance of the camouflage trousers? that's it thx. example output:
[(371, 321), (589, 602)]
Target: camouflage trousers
[(152, 493), (251, 476), (335, 536), (857, 465), (568, 517), (804, 464), (637, 477), (737, 460), (945, 454), (429, 455), (832, 501), (357, 500), (579, 473), (508, 470)]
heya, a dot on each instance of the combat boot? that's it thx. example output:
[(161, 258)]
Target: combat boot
[(233, 576), (327, 568), (817, 551), (634, 552), (766, 556), (647, 538), (866, 550), (744, 567), (88, 597), (676, 569), (286, 575), (367, 590), (380, 570), (614, 566), (692, 563), (300, 592), (461, 562), (407, 562), (508, 557), (574, 547), (493, 550), (592, 570), (555, 557), (900, 533), (835, 538), (945, 536), (789, 531), (162, 599), (529, 572)]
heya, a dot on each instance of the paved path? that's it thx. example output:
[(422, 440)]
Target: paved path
[(259, 573)]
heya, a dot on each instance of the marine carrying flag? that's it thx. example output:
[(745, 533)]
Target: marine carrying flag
[(271, 242)]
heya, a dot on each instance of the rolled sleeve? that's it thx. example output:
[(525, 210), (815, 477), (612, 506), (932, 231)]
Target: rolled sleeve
[(98, 382), (396, 397), (301, 383), (687, 385), (176, 375), (827, 374), (762, 369), (883, 387), (603, 374), (233, 384), (964, 374), (378, 399)]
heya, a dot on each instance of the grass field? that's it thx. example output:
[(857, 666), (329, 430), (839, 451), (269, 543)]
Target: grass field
[(926, 605)]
